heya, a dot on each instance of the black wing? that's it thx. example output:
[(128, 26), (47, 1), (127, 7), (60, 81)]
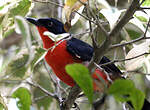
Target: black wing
[(80, 49), (110, 68), (84, 52)]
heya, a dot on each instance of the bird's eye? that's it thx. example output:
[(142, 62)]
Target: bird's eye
[(50, 24)]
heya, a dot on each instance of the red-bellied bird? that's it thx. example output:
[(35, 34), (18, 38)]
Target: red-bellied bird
[(69, 51)]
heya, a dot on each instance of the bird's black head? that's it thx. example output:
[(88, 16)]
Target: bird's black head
[(50, 24)]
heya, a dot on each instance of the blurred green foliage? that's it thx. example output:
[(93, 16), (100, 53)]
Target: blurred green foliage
[(23, 60)]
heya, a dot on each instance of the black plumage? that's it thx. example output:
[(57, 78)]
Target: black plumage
[(85, 52)]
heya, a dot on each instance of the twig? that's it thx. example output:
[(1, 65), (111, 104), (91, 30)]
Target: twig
[(43, 90), (108, 77), (39, 98), (53, 3), (147, 28), (121, 60), (127, 43), (136, 72), (55, 82), (144, 8), (85, 17), (133, 41)]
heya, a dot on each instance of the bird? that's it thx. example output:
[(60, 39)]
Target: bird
[(69, 51)]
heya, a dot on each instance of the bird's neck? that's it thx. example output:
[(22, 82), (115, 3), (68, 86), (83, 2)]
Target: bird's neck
[(47, 42)]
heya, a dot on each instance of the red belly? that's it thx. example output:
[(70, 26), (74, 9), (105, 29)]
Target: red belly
[(58, 59)]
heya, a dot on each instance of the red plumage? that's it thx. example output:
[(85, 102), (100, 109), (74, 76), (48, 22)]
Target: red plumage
[(59, 57)]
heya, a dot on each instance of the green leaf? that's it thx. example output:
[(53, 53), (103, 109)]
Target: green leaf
[(17, 67), (40, 54), (126, 85), (82, 77), (23, 97), (146, 3), (3, 105), (137, 99), (1, 7), (70, 2), (22, 8), (141, 18), (24, 28), (124, 90), (133, 34)]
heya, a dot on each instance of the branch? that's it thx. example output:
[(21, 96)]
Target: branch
[(125, 19), (127, 43), (73, 94), (137, 72), (121, 60), (53, 3), (101, 50), (43, 90), (133, 41)]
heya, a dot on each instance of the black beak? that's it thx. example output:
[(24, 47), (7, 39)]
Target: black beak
[(33, 21)]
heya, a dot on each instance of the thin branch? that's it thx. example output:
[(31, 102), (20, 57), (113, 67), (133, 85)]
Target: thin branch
[(147, 28), (127, 43), (144, 8), (54, 81), (108, 77), (133, 41), (136, 72), (40, 98), (43, 90), (53, 3), (85, 17), (121, 60)]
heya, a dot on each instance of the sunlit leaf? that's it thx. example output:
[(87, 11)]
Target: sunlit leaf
[(70, 7), (23, 98), (136, 63), (112, 15), (10, 10), (70, 2), (141, 18), (1, 7), (82, 77), (146, 3)]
